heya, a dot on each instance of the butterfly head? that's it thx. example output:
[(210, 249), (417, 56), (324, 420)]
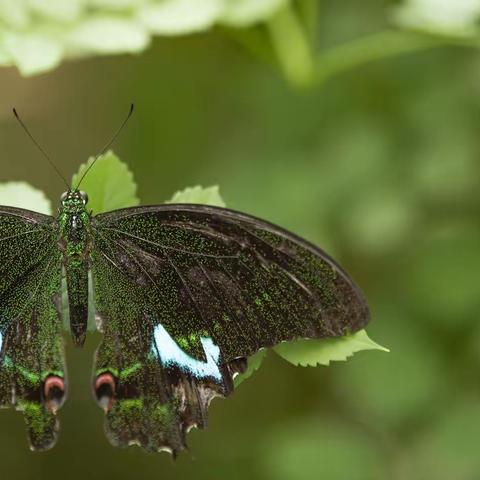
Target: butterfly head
[(74, 201)]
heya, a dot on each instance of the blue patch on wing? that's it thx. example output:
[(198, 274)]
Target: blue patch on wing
[(170, 354)]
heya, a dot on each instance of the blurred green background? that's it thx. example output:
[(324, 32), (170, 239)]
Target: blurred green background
[(380, 166)]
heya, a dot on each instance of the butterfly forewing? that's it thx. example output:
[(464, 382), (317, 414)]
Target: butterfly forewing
[(185, 293), (32, 369)]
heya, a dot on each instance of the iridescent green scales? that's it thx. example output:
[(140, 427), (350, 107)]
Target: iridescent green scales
[(75, 238), (202, 273), (30, 327), (184, 294)]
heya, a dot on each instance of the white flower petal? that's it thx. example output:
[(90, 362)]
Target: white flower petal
[(14, 13), (32, 53), (175, 17), (443, 16), (115, 4), (61, 10), (35, 35), (242, 13), (108, 35)]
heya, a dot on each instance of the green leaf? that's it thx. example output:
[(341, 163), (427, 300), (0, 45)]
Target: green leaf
[(109, 184), (23, 195), (310, 353), (198, 194), (254, 363)]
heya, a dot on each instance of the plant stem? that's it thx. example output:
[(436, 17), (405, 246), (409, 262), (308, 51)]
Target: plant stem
[(308, 11), (377, 46), (291, 46), (256, 41)]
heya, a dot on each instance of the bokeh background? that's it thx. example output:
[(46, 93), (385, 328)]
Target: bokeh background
[(377, 162)]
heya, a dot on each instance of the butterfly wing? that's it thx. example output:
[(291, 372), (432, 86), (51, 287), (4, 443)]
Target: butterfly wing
[(32, 367), (184, 294)]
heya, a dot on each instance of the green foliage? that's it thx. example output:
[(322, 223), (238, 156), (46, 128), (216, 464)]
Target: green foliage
[(406, 385), (302, 352), (330, 448), (311, 353), (254, 363), (448, 449), (289, 40), (23, 195), (109, 184), (452, 297), (207, 196), (388, 148)]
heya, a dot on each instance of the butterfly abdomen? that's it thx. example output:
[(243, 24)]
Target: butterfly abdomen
[(77, 284), (74, 223)]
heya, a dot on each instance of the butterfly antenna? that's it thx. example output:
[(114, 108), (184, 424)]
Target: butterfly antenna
[(44, 153), (107, 146)]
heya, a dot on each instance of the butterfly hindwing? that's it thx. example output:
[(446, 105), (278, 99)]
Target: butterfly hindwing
[(32, 368), (146, 402), (184, 294)]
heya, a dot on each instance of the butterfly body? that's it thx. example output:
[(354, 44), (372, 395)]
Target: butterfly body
[(183, 295), (75, 242)]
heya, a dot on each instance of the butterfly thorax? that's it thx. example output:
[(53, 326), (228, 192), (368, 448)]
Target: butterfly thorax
[(74, 224)]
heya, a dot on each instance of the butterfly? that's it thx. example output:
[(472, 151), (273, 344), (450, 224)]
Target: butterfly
[(184, 294)]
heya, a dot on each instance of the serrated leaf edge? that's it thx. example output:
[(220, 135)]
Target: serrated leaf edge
[(366, 342)]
